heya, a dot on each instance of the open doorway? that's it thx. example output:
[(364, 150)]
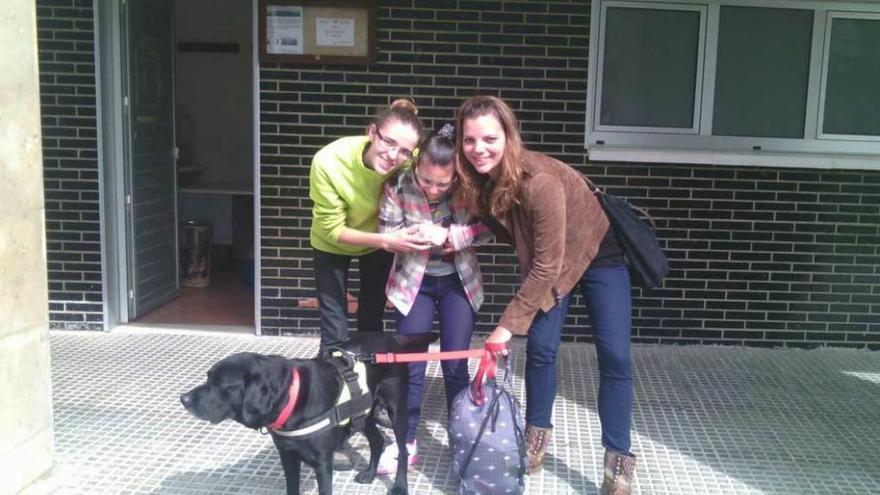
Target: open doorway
[(214, 119)]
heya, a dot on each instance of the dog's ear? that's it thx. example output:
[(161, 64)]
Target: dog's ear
[(264, 389)]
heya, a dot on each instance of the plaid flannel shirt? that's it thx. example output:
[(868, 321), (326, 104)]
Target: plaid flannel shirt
[(403, 204)]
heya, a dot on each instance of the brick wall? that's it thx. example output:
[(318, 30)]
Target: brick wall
[(759, 256), (65, 30)]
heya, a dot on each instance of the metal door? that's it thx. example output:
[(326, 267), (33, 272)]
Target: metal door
[(150, 181)]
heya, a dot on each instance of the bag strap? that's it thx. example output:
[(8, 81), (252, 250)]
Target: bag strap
[(518, 430), (591, 185), (599, 193), (486, 370), (507, 380)]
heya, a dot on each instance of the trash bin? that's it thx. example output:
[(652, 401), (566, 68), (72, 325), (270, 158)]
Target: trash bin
[(196, 254)]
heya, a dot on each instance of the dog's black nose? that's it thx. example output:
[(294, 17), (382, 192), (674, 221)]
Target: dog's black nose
[(186, 400)]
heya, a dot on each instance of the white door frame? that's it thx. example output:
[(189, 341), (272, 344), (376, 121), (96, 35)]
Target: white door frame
[(255, 64), (111, 153)]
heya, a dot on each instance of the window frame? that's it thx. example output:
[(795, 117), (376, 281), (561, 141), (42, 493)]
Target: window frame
[(814, 150), (698, 86), (826, 49)]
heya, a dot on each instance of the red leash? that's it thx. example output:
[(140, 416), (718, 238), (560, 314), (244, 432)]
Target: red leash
[(412, 357), (485, 370)]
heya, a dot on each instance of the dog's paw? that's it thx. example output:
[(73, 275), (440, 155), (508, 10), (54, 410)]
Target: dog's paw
[(365, 477), (398, 490)]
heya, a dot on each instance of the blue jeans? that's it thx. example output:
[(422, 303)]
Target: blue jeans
[(606, 292), (446, 297)]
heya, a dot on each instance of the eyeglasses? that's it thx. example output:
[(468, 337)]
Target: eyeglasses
[(427, 183), (391, 145)]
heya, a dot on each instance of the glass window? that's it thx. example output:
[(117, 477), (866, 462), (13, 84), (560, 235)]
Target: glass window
[(650, 67), (763, 69), (852, 90)]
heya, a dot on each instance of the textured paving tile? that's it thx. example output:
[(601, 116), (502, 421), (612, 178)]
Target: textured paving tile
[(707, 420)]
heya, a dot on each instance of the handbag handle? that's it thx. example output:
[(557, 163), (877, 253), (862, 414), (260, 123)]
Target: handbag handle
[(486, 370), (598, 192)]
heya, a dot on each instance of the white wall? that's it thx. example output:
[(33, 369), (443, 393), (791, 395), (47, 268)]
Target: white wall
[(25, 381)]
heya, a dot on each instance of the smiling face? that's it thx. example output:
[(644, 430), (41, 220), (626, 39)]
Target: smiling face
[(483, 140), (390, 146)]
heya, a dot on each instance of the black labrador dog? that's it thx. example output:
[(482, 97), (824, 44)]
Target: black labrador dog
[(252, 389)]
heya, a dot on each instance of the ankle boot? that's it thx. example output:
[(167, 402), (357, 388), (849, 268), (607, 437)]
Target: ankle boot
[(619, 471), (537, 440)]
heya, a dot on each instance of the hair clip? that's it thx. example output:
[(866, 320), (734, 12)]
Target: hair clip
[(447, 132)]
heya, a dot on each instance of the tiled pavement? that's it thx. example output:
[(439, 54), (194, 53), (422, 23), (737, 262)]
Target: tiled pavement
[(707, 420)]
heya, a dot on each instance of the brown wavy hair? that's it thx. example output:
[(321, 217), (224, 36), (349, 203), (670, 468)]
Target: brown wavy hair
[(482, 195)]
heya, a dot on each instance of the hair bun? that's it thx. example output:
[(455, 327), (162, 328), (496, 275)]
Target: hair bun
[(405, 104), (447, 132)]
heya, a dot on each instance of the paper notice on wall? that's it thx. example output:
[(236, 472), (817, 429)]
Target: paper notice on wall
[(334, 32), (284, 29)]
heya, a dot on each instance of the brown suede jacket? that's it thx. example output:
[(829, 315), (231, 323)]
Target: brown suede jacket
[(556, 229)]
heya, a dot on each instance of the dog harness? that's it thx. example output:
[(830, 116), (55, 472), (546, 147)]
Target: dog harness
[(352, 406)]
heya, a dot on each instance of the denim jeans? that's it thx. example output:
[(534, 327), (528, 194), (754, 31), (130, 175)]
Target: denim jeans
[(445, 297), (331, 282), (606, 292)]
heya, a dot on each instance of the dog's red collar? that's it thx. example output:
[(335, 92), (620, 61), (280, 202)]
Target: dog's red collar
[(287, 410)]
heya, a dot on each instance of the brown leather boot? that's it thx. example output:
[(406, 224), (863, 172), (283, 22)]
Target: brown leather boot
[(537, 440), (619, 471)]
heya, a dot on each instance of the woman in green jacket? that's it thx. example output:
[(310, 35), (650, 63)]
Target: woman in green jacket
[(345, 183)]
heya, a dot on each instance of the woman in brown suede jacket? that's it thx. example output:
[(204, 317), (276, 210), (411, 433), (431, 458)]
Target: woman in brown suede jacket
[(563, 241)]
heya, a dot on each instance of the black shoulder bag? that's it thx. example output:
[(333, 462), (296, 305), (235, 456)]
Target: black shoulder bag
[(644, 256)]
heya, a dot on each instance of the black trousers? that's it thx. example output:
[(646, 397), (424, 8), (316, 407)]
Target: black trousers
[(331, 283)]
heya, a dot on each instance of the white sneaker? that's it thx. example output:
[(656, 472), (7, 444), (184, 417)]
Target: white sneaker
[(388, 459)]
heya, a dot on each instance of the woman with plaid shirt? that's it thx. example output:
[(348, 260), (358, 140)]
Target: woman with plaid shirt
[(444, 279)]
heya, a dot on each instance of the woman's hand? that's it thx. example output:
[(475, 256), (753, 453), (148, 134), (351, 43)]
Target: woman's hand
[(447, 248), (497, 342), (405, 240)]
